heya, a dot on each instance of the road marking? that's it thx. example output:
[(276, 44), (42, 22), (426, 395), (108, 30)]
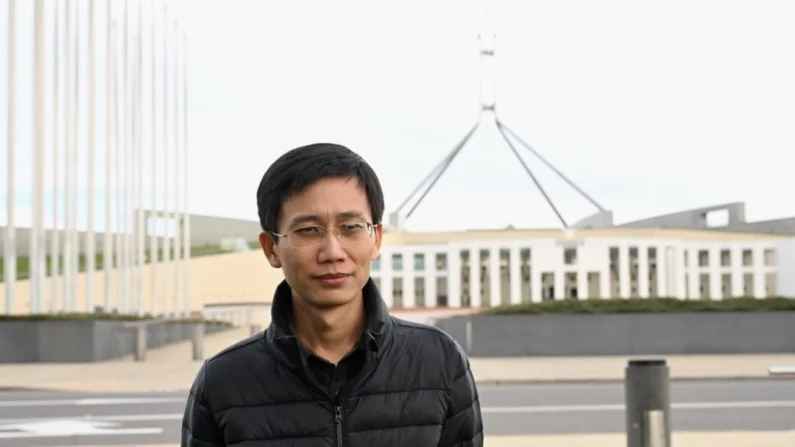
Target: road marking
[(485, 410), (621, 407), (91, 402), (58, 428)]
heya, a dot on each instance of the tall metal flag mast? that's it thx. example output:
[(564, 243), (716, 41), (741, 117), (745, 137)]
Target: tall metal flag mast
[(168, 308), (10, 255), (36, 254), (68, 247), (55, 245), (488, 110), (107, 250), (177, 215), (90, 238), (186, 245), (154, 257), (141, 230)]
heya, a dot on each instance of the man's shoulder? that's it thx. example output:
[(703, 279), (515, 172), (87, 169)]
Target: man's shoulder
[(255, 348), (414, 333)]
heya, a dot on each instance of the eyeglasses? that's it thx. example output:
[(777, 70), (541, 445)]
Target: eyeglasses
[(350, 233)]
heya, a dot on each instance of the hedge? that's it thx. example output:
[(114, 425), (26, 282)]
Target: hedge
[(646, 305)]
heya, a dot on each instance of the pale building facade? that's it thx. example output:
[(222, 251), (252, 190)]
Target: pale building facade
[(427, 270), (492, 271)]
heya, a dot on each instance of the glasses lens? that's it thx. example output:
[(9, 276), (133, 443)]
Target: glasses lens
[(305, 237)]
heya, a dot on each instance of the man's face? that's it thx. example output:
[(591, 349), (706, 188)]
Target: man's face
[(332, 271)]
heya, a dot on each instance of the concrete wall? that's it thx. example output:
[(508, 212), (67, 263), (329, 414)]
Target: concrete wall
[(83, 341), (625, 334)]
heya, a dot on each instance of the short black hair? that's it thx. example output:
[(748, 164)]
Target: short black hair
[(299, 168)]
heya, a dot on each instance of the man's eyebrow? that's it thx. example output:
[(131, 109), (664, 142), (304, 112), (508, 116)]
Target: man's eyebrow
[(352, 214), (304, 218), (314, 218)]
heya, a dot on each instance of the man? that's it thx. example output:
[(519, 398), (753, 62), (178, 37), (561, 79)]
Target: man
[(333, 368)]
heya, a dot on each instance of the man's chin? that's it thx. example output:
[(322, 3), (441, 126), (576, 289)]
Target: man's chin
[(329, 299)]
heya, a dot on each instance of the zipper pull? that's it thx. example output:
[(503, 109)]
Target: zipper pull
[(338, 414)]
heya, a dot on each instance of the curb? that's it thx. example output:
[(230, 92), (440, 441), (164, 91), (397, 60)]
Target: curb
[(485, 382), (563, 381)]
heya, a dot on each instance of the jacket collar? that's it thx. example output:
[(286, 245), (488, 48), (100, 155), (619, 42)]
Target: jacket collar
[(378, 322)]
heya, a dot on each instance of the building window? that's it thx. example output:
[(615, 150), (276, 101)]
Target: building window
[(725, 258), (570, 256), (441, 261), (703, 258), (376, 265), (419, 262), (397, 262), (770, 257), (748, 258)]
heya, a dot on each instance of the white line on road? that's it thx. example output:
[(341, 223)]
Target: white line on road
[(485, 410), (621, 407)]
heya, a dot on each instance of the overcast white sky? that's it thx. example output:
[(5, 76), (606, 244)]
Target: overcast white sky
[(651, 107)]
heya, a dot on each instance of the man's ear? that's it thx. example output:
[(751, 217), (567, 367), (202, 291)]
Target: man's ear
[(379, 234), (268, 243)]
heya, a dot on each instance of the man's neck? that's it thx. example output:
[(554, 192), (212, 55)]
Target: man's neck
[(330, 333)]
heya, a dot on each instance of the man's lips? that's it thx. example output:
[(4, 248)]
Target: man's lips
[(333, 276)]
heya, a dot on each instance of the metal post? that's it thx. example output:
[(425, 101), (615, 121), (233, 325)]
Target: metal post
[(55, 247), (469, 336), (139, 186), (167, 307), (648, 403), (107, 248), (35, 258), (176, 305), (90, 241), (154, 257), (198, 342), (140, 342), (186, 245)]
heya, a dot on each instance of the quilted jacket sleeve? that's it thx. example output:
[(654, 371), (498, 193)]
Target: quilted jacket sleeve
[(199, 428), (463, 426)]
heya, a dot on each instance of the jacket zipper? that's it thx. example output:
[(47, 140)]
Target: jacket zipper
[(338, 423)]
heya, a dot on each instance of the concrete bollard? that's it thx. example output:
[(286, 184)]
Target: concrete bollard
[(648, 403), (198, 342), (140, 343)]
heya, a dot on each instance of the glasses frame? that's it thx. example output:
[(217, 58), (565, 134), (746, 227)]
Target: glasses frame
[(324, 231)]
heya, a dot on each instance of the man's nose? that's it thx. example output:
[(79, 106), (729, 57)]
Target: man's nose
[(331, 248)]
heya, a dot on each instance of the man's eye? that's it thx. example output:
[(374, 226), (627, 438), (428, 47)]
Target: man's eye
[(307, 230)]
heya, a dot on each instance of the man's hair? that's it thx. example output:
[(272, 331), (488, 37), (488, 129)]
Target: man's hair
[(299, 168)]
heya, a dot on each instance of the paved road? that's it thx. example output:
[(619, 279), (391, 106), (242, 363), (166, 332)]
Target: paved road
[(30, 418)]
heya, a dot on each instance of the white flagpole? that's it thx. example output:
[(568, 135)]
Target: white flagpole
[(107, 249), (75, 171), (126, 151), (177, 167), (55, 246), (90, 238), (153, 245), (186, 224), (34, 255), (68, 250), (117, 151), (141, 230), (167, 296), (10, 255)]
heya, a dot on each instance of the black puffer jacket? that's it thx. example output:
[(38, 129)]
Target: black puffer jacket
[(415, 390)]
